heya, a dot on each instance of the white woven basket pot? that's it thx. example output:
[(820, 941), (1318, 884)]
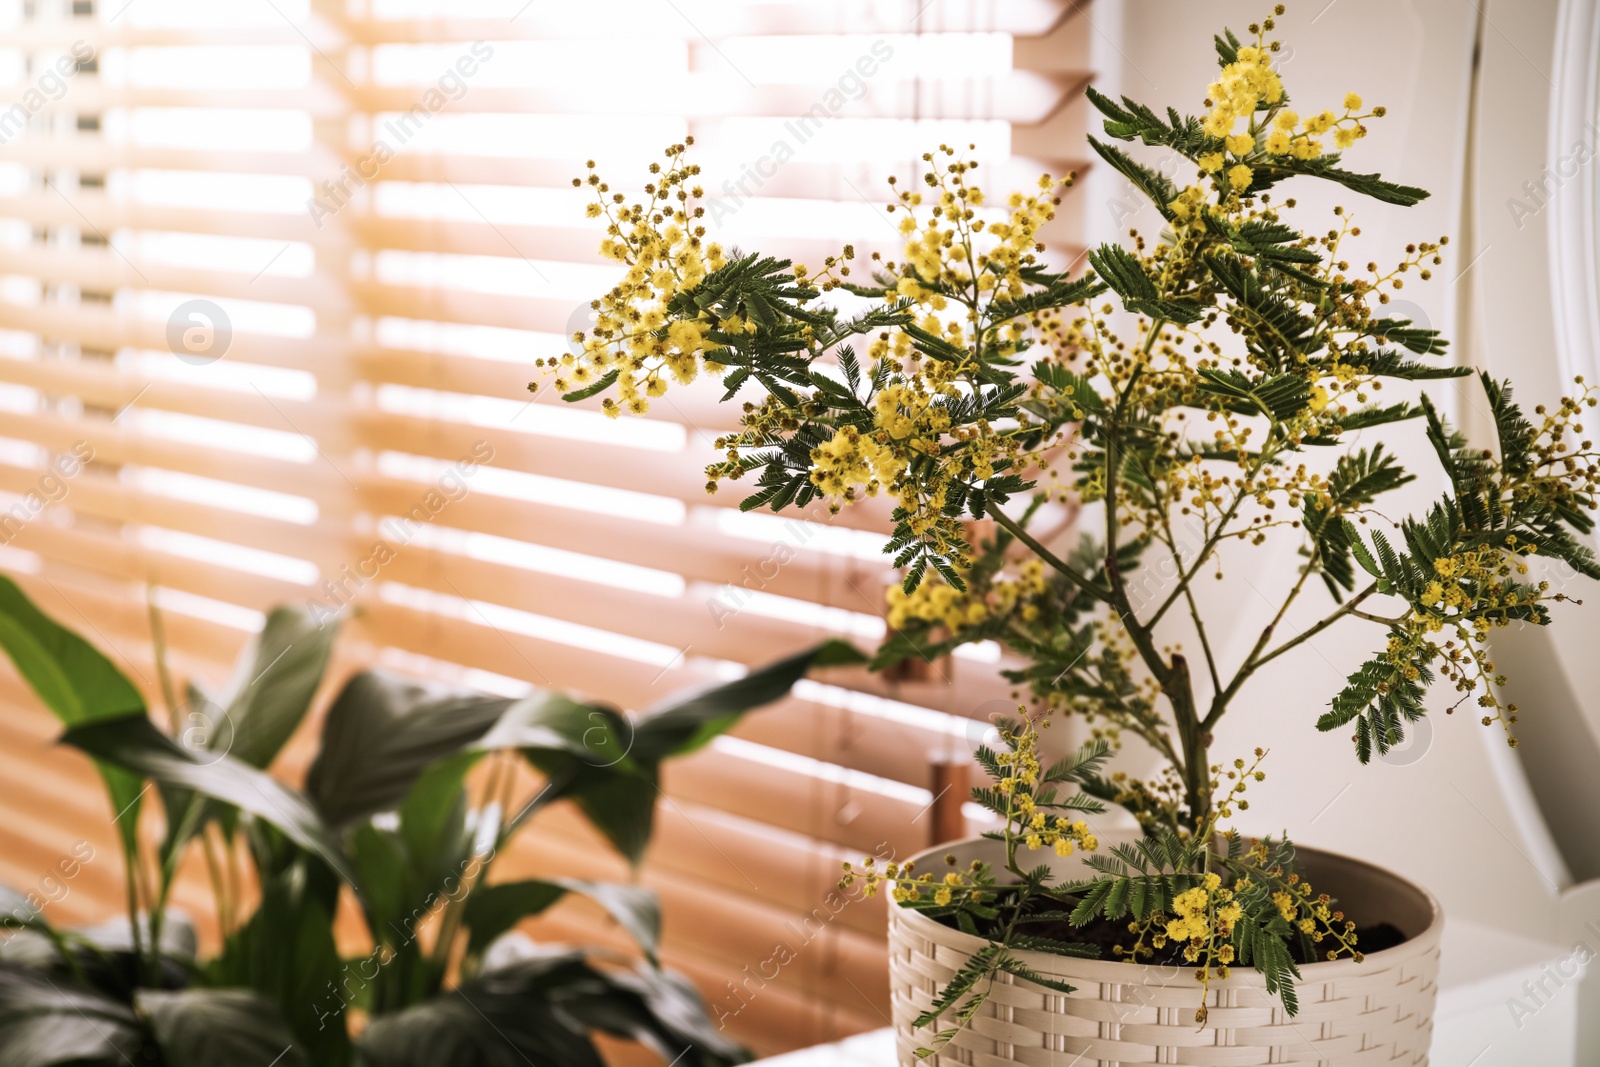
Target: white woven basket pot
[(1379, 1011)]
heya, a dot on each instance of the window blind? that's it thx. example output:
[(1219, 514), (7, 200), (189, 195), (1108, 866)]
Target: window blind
[(273, 276)]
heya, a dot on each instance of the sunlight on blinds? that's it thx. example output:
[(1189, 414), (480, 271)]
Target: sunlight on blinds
[(274, 276)]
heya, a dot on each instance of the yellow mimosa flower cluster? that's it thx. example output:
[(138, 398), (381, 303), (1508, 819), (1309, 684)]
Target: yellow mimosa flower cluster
[(637, 341)]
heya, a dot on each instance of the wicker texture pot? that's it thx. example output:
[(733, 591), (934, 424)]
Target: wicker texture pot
[(1379, 1011)]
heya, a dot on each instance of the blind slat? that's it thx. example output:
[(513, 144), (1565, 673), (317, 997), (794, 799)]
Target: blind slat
[(1027, 17)]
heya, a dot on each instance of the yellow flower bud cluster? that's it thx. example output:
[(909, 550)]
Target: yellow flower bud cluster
[(1020, 781), (1058, 833), (1246, 82), (1020, 762), (1289, 136), (908, 886), (937, 602), (1248, 89), (1202, 915), (850, 458), (660, 243)]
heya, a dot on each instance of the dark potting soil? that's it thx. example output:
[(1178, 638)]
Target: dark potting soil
[(1107, 935)]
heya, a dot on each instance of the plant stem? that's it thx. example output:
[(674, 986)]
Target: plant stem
[(158, 642), (449, 926), (1222, 524), (1171, 541), (64, 949), (1195, 737), (1072, 574), (1384, 619), (219, 890), (1250, 661), (130, 859), (1173, 677), (1316, 628), (1257, 660)]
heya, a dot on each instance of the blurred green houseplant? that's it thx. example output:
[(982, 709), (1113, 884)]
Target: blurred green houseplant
[(387, 812)]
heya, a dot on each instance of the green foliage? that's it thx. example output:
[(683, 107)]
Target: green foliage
[(1358, 478), (1126, 276), (388, 811), (1276, 397), (1133, 121), (251, 720), (495, 909), (1457, 565), (1258, 945), (271, 690), (285, 950), (1058, 291), (763, 291), (68, 674), (43, 1024), (508, 1017), (1273, 323), (202, 1027), (1325, 167), (134, 744), (77, 683), (381, 732), (685, 722), (1380, 698), (539, 1008)]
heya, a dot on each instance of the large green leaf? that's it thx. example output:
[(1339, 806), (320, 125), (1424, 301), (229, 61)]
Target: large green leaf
[(585, 750), (492, 910), (133, 743), (609, 765), (414, 868), (381, 733), (504, 1018), (286, 953), (73, 679), (621, 804), (552, 723), (75, 682), (44, 1022), (684, 722), (434, 821), (251, 720), (273, 684), (659, 1009), (213, 1027), (417, 868), (384, 866), (385, 735)]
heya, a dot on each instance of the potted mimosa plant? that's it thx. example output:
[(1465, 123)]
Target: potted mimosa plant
[(1213, 379)]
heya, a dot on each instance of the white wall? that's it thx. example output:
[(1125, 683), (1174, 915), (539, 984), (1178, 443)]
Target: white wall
[(1515, 317), (1535, 318)]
